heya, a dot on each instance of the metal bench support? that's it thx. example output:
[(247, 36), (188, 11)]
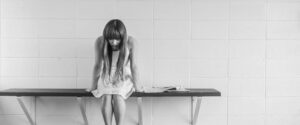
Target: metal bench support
[(82, 109), (25, 110), (195, 112)]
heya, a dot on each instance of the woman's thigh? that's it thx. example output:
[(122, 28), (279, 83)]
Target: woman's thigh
[(105, 99)]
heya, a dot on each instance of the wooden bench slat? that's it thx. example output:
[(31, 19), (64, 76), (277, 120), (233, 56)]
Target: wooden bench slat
[(82, 92)]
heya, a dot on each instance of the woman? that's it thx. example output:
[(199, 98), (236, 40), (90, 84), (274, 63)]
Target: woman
[(115, 73)]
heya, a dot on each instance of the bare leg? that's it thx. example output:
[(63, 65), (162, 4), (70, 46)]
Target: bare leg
[(106, 108), (119, 108)]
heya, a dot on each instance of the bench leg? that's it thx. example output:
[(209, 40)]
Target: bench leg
[(82, 109), (140, 110), (196, 112), (25, 110)]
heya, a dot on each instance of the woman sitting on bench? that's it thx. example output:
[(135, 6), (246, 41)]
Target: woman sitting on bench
[(115, 73)]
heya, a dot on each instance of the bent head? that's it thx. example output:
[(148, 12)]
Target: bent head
[(115, 36), (115, 33)]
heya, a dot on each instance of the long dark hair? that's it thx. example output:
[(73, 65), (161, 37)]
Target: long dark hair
[(114, 29)]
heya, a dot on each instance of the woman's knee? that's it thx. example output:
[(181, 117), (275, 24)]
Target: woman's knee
[(105, 98), (116, 97)]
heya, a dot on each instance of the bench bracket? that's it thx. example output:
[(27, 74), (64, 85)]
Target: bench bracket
[(195, 112), (82, 109), (25, 110)]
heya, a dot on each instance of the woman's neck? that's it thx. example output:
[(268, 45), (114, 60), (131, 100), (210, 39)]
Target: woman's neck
[(115, 50)]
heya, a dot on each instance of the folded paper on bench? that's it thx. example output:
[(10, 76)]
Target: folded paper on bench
[(162, 89)]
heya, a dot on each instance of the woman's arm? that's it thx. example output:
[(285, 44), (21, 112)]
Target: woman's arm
[(132, 56), (98, 63)]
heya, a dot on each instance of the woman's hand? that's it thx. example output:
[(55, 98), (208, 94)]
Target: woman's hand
[(139, 89), (90, 89)]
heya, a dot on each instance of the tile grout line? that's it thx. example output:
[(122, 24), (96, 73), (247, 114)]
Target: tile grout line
[(153, 58), (0, 45), (266, 41), (189, 44), (76, 57), (38, 70), (189, 58), (228, 60)]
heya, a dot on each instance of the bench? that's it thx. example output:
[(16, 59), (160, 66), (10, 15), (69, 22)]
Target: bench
[(195, 94)]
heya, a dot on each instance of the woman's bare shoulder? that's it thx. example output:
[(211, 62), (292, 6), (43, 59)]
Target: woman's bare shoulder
[(131, 42), (100, 41)]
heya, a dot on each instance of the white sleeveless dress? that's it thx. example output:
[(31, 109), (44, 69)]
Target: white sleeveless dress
[(124, 88)]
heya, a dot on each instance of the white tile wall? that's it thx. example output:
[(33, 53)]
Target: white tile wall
[(279, 120), (133, 9), (246, 105), (248, 50), (283, 11), (247, 30), (218, 10), (282, 87), (140, 29), (57, 82), (211, 120), (20, 82), (94, 9), (247, 68), (283, 30), (172, 9), (171, 29), (165, 81), (145, 72), (25, 48), (19, 28), (10, 106), (19, 67), (85, 67), (284, 1), (47, 106), (209, 68), (54, 28), (13, 8), (284, 68), (179, 49), (84, 46), (50, 9), (164, 107), (170, 69), (210, 30), (208, 49), (59, 120), (283, 106), (62, 48), (144, 49), (246, 87), (84, 82), (89, 28), (248, 10), (246, 120), (283, 49), (213, 106), (14, 120), (57, 67)]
